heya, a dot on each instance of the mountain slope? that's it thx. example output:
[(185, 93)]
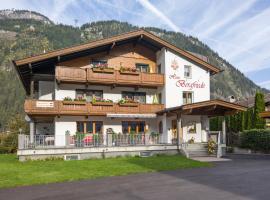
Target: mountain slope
[(24, 36)]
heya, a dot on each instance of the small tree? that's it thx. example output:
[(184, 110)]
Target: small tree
[(259, 106)]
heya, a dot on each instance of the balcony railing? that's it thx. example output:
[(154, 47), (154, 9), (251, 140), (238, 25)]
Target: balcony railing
[(78, 75), (46, 107), (89, 140)]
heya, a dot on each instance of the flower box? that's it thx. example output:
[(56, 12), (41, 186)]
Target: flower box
[(129, 104), (74, 102), (129, 73), (102, 103), (103, 70)]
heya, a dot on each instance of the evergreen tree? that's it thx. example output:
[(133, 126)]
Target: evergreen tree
[(249, 119), (259, 122)]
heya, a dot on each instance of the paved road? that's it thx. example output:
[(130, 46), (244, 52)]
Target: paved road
[(245, 177)]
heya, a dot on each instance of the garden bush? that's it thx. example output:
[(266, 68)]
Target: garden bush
[(256, 139)]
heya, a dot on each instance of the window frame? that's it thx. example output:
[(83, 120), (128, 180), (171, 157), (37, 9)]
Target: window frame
[(84, 91), (137, 126), (133, 95), (141, 65), (85, 127), (192, 97), (190, 71), (97, 62)]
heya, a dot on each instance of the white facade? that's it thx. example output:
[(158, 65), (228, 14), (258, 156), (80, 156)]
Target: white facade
[(172, 66)]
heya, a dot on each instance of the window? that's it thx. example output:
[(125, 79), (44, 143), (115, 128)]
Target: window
[(142, 67), (89, 94), (191, 127), (136, 96), (133, 127), (99, 62), (80, 127), (187, 71), (187, 97), (159, 98), (94, 127)]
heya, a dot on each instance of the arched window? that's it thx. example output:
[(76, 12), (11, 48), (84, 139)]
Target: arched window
[(160, 127)]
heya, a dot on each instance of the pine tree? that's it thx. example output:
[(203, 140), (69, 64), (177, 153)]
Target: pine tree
[(259, 122)]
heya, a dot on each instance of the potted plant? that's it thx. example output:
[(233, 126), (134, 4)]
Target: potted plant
[(102, 68), (102, 102), (191, 140), (79, 139), (76, 101), (128, 102), (128, 70), (211, 146)]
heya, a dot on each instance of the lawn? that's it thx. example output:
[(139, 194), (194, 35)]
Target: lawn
[(15, 173)]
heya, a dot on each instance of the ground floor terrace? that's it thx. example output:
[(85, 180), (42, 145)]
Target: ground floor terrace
[(168, 130)]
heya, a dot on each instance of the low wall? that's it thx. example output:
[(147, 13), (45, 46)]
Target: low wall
[(99, 152)]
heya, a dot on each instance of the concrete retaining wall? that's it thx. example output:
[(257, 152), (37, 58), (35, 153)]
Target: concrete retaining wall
[(100, 152)]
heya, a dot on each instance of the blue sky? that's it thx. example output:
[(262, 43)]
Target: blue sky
[(238, 30)]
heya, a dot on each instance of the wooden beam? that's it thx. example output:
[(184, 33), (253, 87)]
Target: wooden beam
[(211, 108), (187, 112), (231, 112), (111, 47), (137, 41)]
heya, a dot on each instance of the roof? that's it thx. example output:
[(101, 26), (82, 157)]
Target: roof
[(214, 107), (250, 101), (117, 38), (265, 114)]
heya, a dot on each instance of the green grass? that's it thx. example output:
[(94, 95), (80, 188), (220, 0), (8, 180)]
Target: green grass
[(15, 173)]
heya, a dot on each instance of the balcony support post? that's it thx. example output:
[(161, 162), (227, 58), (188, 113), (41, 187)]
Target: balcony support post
[(32, 83), (32, 131), (179, 130)]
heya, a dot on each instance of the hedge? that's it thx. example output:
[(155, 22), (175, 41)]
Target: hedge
[(256, 139)]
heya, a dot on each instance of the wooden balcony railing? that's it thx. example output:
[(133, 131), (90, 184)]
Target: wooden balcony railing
[(44, 107), (78, 75)]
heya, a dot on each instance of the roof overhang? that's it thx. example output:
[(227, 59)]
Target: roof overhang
[(265, 114), (45, 62), (209, 108), (139, 116)]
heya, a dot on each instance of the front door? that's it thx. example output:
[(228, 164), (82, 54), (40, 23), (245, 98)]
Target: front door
[(174, 131)]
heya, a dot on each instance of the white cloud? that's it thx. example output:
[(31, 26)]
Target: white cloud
[(146, 4), (223, 20)]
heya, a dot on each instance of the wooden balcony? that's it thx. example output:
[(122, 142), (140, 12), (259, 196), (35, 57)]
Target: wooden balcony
[(44, 107), (115, 77)]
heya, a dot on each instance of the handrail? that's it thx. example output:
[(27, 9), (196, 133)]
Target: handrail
[(75, 74), (56, 107)]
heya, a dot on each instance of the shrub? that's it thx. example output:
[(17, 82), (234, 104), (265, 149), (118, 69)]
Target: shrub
[(211, 146), (256, 139)]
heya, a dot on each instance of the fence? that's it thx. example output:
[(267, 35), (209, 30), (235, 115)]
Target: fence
[(89, 140)]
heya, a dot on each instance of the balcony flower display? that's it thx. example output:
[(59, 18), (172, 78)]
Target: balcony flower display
[(102, 68), (128, 102), (102, 102), (128, 70), (77, 101)]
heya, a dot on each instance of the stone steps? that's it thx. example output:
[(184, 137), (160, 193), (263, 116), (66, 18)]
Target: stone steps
[(198, 150)]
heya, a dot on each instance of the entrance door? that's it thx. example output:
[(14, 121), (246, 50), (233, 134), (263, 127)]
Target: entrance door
[(174, 131)]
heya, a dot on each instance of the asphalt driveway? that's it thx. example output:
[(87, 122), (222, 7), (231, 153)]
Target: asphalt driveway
[(244, 177)]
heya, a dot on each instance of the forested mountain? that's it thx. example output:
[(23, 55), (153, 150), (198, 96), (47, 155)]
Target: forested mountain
[(27, 35)]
